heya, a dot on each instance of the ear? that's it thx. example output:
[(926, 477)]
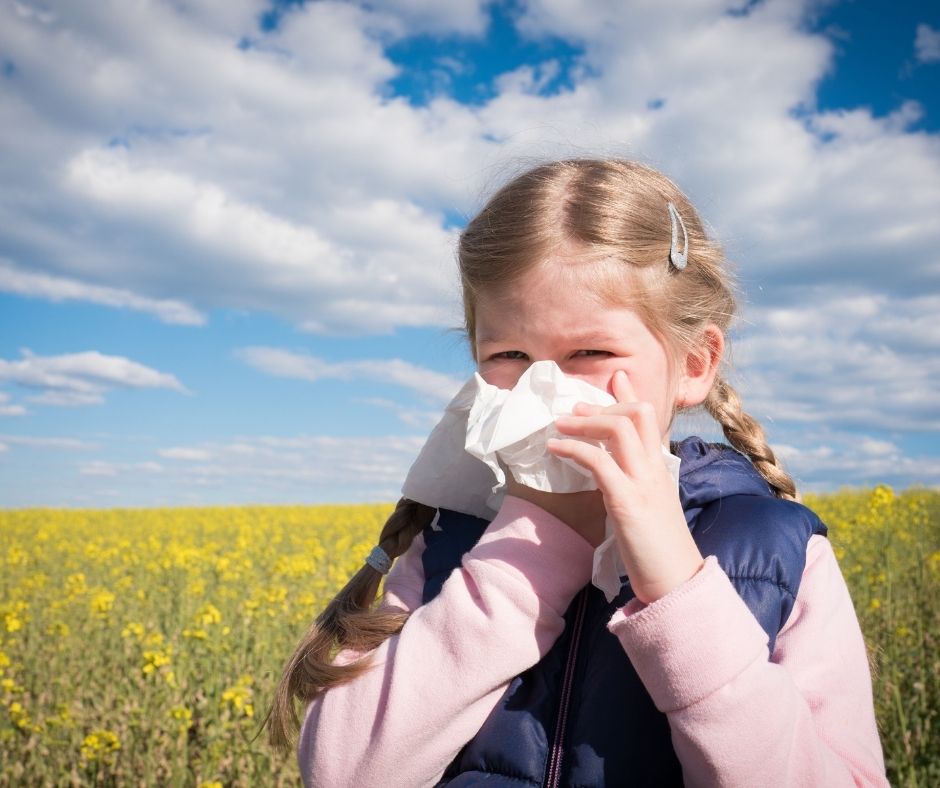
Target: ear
[(699, 368)]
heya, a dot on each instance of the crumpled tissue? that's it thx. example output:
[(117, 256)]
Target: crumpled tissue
[(486, 429)]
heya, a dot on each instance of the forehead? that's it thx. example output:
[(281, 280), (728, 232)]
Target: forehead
[(556, 301), (556, 282)]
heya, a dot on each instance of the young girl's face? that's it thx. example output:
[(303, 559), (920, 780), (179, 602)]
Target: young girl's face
[(547, 317)]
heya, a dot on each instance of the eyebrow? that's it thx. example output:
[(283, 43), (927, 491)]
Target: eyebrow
[(586, 338), (593, 338)]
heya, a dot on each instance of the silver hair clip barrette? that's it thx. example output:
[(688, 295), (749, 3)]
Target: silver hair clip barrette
[(677, 258), (378, 559)]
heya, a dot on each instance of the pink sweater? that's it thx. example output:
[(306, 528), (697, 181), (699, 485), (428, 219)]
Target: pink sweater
[(803, 717)]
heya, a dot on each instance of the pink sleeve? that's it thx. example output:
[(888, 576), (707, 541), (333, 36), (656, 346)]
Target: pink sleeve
[(802, 718), (433, 685), (404, 586)]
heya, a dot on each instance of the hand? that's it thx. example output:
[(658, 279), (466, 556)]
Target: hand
[(581, 511), (640, 496)]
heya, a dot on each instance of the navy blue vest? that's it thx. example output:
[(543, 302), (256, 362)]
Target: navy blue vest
[(581, 716)]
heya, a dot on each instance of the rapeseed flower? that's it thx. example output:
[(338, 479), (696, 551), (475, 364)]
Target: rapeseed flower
[(183, 718), (101, 603), (239, 696), (101, 746)]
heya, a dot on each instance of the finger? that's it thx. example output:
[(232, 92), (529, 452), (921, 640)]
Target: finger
[(608, 475), (586, 409), (647, 426), (622, 388), (646, 421), (617, 431)]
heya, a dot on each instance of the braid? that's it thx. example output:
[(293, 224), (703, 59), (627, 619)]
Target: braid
[(747, 436), (347, 622)]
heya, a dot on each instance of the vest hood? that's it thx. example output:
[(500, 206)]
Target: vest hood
[(710, 471)]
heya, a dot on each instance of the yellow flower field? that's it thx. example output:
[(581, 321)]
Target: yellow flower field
[(141, 647), (889, 549)]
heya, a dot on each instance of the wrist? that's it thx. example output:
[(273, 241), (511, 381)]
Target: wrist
[(682, 569)]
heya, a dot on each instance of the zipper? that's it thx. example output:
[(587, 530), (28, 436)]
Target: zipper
[(553, 774)]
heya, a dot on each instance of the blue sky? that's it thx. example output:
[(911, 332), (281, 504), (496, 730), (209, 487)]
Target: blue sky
[(227, 228)]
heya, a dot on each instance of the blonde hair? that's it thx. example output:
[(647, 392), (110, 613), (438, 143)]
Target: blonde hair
[(611, 217)]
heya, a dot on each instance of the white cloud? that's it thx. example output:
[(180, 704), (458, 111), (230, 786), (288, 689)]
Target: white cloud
[(297, 468), (98, 468), (828, 459), (289, 364), (413, 417), (82, 378), (467, 17), (337, 226), (797, 194), (877, 448), (927, 44), (113, 469), (337, 35), (379, 247), (183, 453), (40, 442), (823, 458), (67, 398), (60, 288), (8, 409), (860, 361), (336, 221)]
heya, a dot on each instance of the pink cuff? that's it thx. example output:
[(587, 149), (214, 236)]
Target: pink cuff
[(672, 642)]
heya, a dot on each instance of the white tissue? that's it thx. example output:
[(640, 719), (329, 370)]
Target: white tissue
[(444, 475), (512, 426), (459, 467)]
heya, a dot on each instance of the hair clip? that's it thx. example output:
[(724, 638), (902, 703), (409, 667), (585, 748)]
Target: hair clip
[(378, 559), (677, 258)]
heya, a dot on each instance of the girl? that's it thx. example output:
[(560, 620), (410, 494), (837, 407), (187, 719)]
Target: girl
[(732, 654)]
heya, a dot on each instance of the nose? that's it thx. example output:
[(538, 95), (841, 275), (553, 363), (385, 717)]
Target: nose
[(603, 380)]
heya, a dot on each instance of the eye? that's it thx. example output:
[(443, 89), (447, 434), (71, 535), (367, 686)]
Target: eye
[(510, 355), (588, 353)]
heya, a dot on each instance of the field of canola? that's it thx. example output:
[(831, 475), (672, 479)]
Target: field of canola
[(140, 647)]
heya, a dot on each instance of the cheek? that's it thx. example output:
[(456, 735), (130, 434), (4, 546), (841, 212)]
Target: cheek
[(597, 372), (600, 380), (659, 391), (504, 376), (650, 384), (603, 376)]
